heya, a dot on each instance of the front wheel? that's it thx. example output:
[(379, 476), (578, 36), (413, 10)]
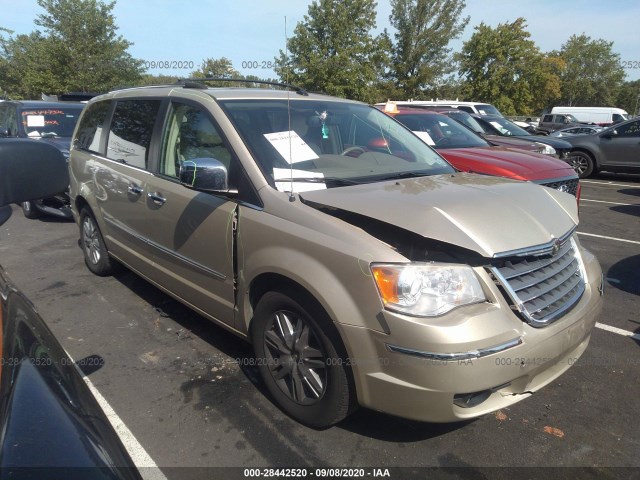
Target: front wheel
[(96, 256), (29, 210), (582, 163), (299, 363)]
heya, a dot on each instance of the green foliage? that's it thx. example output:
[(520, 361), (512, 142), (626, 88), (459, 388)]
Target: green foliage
[(592, 73), (77, 49), (216, 68), (504, 67), (628, 97), (420, 57), (333, 51)]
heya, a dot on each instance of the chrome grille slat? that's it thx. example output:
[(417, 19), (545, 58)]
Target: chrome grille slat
[(542, 285), (533, 277), (540, 303), (549, 286), (527, 266)]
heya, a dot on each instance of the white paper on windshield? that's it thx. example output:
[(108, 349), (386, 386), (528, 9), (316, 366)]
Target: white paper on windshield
[(35, 120), (292, 148), (425, 137), (283, 176)]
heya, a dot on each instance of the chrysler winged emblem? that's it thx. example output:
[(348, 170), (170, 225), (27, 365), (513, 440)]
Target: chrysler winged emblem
[(555, 248)]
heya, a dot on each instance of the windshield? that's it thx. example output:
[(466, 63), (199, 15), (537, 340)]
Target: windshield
[(505, 127), (57, 121), (486, 109), (441, 131), (465, 119), (331, 143)]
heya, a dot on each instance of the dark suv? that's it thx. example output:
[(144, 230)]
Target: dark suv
[(49, 122), (552, 122)]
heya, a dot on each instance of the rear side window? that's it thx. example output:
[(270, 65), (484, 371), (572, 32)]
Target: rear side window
[(9, 120), (548, 119), (90, 130), (131, 130)]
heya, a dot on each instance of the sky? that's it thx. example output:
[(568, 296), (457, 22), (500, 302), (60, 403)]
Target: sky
[(252, 32)]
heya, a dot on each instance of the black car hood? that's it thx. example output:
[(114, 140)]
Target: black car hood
[(556, 143)]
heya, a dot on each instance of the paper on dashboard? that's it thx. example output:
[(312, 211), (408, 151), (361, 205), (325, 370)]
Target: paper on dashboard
[(292, 148)]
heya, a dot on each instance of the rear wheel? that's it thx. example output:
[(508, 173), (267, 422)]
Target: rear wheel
[(29, 210), (582, 163), (96, 256), (298, 361)]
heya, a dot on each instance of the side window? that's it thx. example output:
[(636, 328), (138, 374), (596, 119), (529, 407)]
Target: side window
[(466, 109), (190, 133), (131, 130), (548, 119), (629, 130), (8, 120), (90, 131)]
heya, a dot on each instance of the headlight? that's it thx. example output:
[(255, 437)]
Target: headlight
[(546, 149), (426, 290)]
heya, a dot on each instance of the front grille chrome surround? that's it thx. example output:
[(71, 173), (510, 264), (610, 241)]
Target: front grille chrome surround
[(542, 283)]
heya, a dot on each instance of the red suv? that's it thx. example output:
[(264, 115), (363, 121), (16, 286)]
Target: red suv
[(468, 152)]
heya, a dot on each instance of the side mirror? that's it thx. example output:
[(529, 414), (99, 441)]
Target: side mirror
[(30, 170), (4, 133), (610, 134), (205, 174)]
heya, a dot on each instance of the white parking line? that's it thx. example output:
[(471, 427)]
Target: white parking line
[(148, 469), (619, 331), (609, 238), (628, 185), (602, 201)]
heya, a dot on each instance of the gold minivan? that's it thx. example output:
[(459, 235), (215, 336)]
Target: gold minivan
[(362, 267)]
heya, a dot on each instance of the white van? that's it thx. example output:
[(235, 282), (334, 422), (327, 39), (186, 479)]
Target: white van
[(602, 116)]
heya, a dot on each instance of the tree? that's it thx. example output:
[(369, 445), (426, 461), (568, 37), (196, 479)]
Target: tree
[(420, 57), (593, 72), (504, 67), (77, 49), (629, 97), (216, 67), (332, 50)]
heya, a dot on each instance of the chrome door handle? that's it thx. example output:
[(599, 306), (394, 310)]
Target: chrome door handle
[(134, 189), (156, 198)]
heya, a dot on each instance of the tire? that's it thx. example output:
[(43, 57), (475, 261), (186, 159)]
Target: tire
[(298, 361), (96, 255), (30, 211), (582, 163)]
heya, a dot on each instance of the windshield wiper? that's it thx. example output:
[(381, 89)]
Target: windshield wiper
[(401, 175), (332, 180), (49, 134)]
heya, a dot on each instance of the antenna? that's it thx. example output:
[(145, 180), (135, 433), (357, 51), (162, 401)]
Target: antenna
[(292, 197)]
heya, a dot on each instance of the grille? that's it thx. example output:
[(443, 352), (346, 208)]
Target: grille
[(544, 285), (568, 185)]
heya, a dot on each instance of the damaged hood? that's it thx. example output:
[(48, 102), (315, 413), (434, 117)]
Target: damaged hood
[(488, 215)]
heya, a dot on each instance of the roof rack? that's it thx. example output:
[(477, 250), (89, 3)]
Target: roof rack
[(197, 83)]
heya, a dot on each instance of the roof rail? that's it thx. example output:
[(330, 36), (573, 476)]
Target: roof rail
[(197, 83)]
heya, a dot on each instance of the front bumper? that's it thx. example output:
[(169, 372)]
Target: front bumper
[(425, 382)]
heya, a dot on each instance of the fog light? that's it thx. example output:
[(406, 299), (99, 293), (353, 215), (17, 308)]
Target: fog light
[(470, 400)]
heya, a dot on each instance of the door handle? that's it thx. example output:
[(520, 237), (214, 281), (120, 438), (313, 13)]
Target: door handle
[(156, 198), (134, 189)]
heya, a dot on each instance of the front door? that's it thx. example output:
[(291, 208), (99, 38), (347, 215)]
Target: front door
[(190, 232)]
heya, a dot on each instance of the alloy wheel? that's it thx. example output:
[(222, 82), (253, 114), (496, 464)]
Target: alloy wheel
[(295, 358)]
